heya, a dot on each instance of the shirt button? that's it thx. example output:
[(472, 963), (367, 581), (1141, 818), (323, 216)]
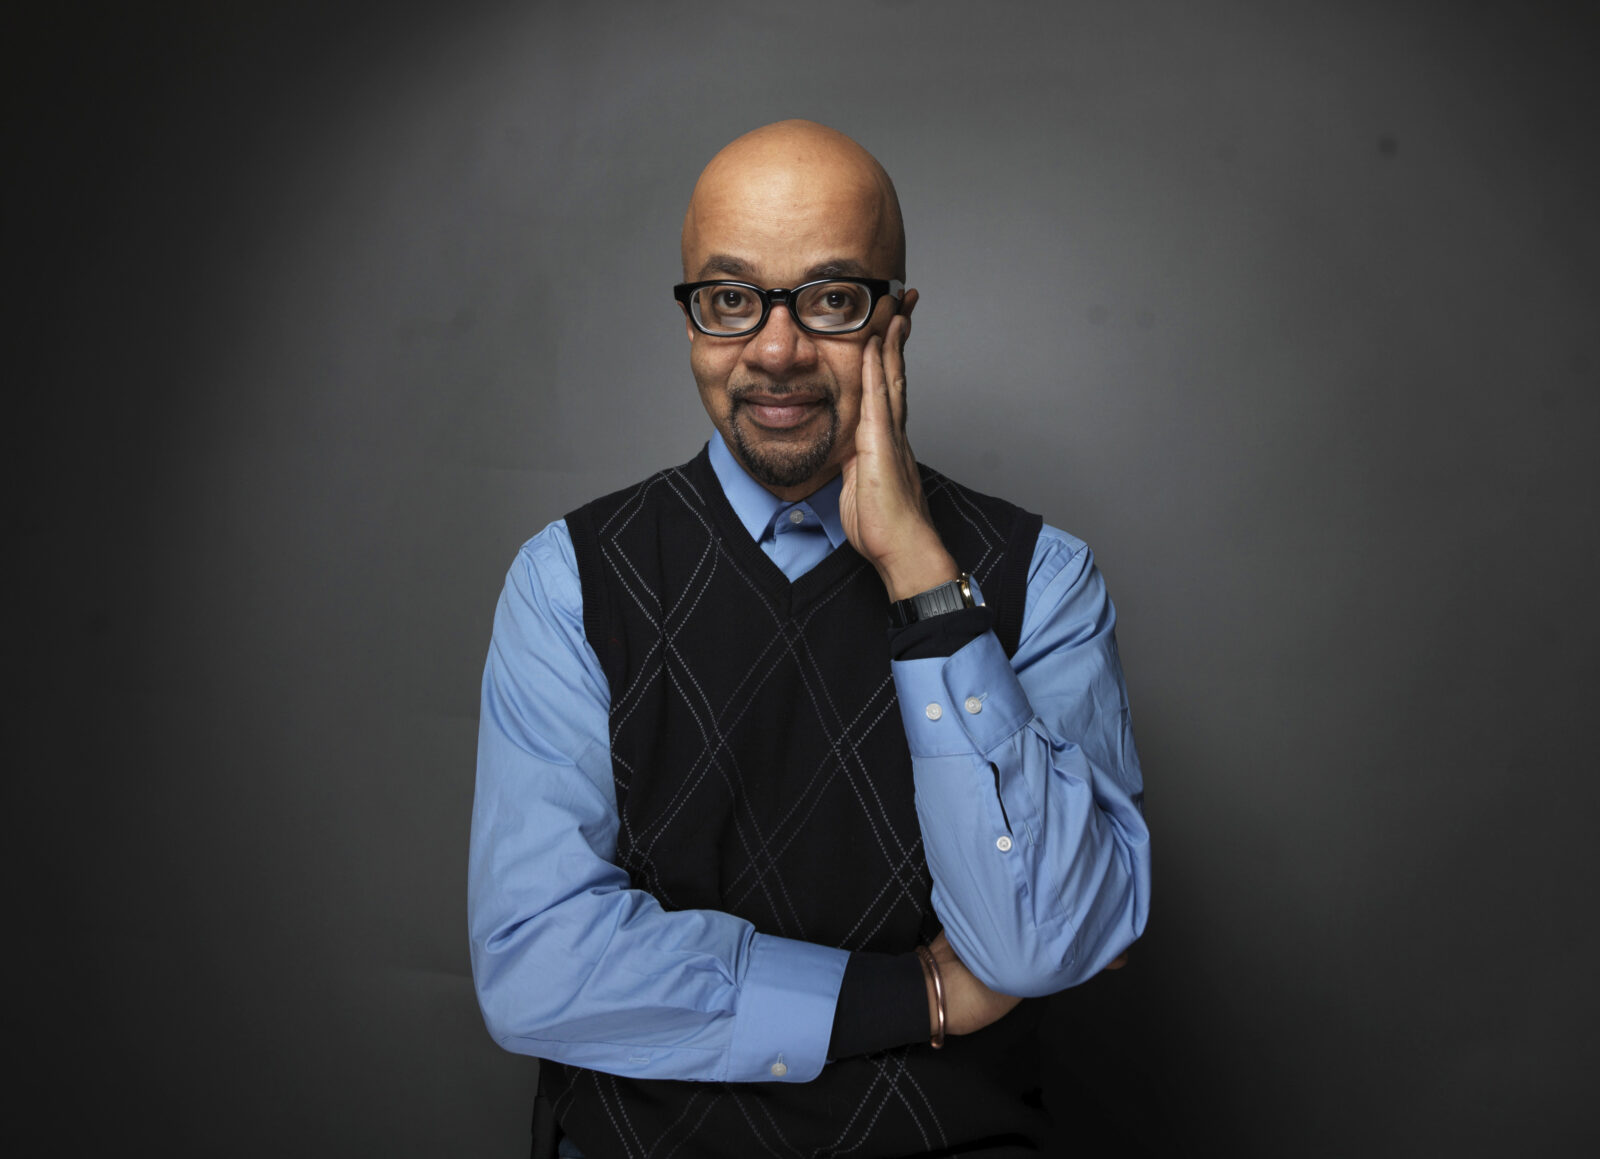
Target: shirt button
[(797, 516), (1003, 845), (779, 1070), (974, 704), (934, 712)]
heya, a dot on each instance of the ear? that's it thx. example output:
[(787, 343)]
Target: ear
[(688, 326)]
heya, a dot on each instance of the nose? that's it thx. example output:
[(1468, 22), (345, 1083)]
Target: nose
[(780, 347)]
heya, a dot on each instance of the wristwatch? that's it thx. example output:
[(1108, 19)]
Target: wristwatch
[(950, 596)]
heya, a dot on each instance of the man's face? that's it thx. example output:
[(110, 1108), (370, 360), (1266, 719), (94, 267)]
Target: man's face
[(785, 400)]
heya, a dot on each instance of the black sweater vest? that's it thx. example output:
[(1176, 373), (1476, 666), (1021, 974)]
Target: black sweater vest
[(761, 769)]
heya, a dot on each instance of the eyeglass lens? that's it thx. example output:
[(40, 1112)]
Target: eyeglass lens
[(825, 306)]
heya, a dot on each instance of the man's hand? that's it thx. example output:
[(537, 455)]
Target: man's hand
[(884, 512), (969, 1005)]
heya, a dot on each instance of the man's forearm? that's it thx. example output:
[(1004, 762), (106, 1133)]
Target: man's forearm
[(1031, 819), (570, 962)]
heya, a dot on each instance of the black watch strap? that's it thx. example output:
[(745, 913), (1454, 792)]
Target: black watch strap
[(950, 596)]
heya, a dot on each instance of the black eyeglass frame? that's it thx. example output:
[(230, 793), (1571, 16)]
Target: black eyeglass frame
[(877, 288)]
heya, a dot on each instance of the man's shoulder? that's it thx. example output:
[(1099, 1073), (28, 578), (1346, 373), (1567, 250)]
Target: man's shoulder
[(552, 546), (1054, 549), (1055, 541), (935, 484), (1054, 538), (684, 479), (551, 556), (934, 479), (547, 555), (973, 517)]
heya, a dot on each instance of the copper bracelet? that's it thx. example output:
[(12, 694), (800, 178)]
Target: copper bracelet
[(930, 967)]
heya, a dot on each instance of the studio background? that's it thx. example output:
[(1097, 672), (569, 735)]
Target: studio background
[(319, 311)]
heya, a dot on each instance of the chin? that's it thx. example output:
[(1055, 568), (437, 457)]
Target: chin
[(781, 462)]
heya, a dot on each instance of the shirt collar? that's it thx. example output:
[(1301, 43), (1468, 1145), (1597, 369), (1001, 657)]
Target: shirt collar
[(758, 508)]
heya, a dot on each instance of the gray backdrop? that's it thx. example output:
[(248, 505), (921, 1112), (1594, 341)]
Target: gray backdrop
[(320, 311)]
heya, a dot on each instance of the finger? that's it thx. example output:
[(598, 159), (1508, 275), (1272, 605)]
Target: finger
[(894, 371), (874, 399), (908, 303)]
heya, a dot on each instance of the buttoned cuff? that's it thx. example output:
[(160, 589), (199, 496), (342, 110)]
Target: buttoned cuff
[(785, 1011), (971, 701)]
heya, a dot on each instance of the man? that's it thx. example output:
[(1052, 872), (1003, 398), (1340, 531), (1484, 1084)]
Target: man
[(739, 903)]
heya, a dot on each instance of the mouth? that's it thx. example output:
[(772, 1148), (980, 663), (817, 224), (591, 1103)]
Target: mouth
[(782, 411)]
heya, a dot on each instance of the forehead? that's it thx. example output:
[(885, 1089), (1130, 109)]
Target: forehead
[(779, 226)]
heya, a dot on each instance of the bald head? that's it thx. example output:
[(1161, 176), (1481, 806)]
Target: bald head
[(782, 207), (790, 194)]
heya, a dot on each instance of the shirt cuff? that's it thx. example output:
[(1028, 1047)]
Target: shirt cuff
[(971, 701), (786, 1008), (883, 1002)]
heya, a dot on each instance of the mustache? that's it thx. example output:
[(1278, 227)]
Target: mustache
[(740, 395)]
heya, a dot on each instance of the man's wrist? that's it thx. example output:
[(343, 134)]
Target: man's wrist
[(880, 1005), (939, 637), (924, 570), (935, 992)]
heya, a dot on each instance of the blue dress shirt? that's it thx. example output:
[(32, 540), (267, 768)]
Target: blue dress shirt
[(1028, 792)]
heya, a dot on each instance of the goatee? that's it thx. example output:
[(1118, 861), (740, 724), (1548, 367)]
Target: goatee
[(783, 464)]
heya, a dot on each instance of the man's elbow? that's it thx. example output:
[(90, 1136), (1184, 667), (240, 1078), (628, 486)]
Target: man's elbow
[(504, 1034), (1054, 969), (514, 1015), (1034, 960), (518, 1021)]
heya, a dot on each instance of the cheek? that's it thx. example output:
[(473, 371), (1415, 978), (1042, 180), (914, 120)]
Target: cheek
[(846, 371), (709, 367)]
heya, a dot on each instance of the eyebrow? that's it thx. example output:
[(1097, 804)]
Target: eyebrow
[(731, 267), (724, 264)]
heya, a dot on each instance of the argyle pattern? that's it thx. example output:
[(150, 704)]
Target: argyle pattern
[(761, 769)]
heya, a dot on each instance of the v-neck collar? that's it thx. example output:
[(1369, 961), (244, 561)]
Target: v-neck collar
[(758, 509), (742, 542)]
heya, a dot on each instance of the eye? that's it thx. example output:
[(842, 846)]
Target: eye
[(834, 306), (733, 302)]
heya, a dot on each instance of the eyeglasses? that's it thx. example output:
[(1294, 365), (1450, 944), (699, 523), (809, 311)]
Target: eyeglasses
[(833, 306)]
